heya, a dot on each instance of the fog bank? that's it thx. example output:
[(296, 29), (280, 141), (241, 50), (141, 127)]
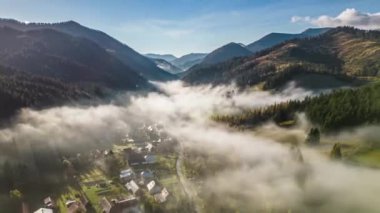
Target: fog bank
[(269, 176)]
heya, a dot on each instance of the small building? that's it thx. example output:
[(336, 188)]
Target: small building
[(126, 175), (44, 210), (74, 206), (162, 196), (133, 187), (153, 187), (150, 159), (49, 203), (149, 147), (129, 205)]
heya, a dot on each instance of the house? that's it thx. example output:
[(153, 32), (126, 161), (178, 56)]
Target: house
[(162, 196), (126, 175), (146, 176), (150, 159), (149, 147), (129, 205), (44, 210), (133, 187), (108, 152), (74, 206), (49, 203), (153, 188)]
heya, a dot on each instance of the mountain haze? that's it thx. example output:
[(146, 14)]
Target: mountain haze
[(186, 61), (167, 66), (166, 57)]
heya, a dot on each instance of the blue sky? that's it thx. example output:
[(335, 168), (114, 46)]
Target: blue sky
[(184, 26)]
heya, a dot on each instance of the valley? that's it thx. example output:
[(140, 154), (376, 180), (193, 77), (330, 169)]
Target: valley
[(288, 122)]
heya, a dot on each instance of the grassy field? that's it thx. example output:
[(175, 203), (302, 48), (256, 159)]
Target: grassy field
[(370, 158), (96, 185), (69, 194)]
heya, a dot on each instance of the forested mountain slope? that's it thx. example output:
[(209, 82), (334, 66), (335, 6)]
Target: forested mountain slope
[(273, 39), (124, 53), (224, 53), (50, 53), (19, 90), (340, 109)]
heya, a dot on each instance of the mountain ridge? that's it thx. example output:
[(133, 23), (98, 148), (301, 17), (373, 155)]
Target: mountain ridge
[(226, 52), (50, 53), (273, 39), (340, 51), (187, 61), (124, 53), (166, 57)]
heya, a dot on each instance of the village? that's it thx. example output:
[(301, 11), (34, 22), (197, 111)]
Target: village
[(136, 175)]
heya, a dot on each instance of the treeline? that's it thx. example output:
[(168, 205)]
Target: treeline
[(19, 90), (340, 109), (279, 112), (288, 73)]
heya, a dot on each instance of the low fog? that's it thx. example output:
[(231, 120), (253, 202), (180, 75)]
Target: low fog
[(269, 177)]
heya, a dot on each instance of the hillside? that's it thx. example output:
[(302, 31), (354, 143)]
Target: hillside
[(186, 61), (125, 54), (50, 53), (273, 39), (19, 90), (224, 53), (341, 51), (340, 109)]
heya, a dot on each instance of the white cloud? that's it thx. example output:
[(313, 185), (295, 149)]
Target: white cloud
[(349, 17)]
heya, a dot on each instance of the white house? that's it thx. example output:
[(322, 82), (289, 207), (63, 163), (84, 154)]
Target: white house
[(44, 210), (132, 186), (153, 188), (162, 196)]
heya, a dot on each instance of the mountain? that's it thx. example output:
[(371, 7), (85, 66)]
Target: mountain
[(75, 60), (125, 54), (189, 60), (166, 57), (342, 51), (226, 52), (273, 39), (167, 66)]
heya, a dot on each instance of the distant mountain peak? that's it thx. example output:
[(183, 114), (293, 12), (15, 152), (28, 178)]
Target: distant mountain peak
[(186, 61), (226, 52)]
